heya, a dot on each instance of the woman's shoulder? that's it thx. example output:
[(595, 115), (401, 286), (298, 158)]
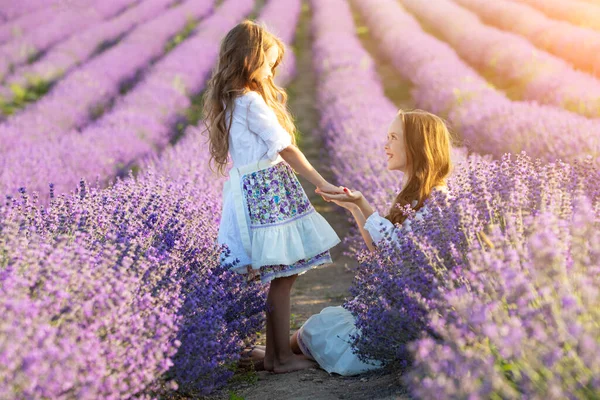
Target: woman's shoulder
[(436, 189)]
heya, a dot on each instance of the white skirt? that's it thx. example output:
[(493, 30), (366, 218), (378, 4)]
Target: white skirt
[(269, 223), (325, 338)]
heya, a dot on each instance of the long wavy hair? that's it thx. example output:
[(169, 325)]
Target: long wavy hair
[(428, 142), (241, 54)]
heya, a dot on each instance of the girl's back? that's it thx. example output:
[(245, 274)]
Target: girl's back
[(255, 133)]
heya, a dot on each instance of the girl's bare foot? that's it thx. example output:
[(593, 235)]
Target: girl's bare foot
[(294, 363), (269, 362)]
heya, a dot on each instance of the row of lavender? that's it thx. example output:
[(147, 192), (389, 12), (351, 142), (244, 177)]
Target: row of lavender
[(12, 10), (86, 91), (584, 13), (153, 337), (576, 44), (489, 122), (495, 294), (26, 16), (511, 61), (64, 56), (60, 24), (133, 270), (138, 123)]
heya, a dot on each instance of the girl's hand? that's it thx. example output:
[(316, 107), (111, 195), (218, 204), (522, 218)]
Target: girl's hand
[(346, 197), (329, 188)]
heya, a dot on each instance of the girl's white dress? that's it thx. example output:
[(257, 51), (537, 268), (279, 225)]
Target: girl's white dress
[(267, 220), (325, 337)]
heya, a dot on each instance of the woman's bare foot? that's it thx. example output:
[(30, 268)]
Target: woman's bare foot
[(294, 343), (294, 363), (254, 359)]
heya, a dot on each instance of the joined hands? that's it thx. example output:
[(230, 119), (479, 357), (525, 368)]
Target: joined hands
[(344, 198)]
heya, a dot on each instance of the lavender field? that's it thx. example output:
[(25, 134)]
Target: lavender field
[(111, 284)]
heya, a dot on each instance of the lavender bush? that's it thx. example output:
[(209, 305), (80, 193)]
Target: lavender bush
[(404, 284), (145, 248), (79, 319), (525, 325), (239, 306)]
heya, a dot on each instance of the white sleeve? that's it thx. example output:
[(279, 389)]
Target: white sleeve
[(380, 227), (263, 122)]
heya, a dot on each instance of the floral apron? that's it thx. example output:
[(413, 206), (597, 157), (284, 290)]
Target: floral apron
[(267, 195)]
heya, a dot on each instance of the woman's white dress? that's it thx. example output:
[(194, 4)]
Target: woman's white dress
[(325, 337)]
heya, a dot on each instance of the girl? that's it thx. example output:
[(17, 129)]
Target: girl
[(418, 144), (268, 224)]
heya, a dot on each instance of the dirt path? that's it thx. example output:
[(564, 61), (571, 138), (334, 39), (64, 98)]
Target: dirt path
[(317, 288)]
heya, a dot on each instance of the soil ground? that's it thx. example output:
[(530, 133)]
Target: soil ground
[(327, 286)]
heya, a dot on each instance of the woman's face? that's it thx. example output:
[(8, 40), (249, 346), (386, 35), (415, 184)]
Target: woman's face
[(395, 147), (266, 70)]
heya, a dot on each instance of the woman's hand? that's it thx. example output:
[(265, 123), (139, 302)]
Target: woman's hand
[(358, 206), (344, 204), (346, 197)]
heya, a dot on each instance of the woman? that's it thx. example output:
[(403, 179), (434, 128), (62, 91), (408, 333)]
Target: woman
[(418, 144)]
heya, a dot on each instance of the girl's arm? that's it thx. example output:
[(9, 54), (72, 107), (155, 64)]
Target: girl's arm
[(263, 122), (296, 159)]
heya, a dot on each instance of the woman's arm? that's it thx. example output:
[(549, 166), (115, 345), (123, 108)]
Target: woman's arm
[(296, 159), (360, 208), (372, 226), (364, 207), (360, 219)]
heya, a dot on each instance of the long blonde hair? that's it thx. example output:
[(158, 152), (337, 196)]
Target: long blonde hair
[(241, 55), (428, 144)]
